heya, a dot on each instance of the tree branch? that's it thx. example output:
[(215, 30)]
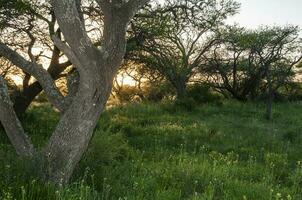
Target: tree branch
[(37, 71), (12, 125)]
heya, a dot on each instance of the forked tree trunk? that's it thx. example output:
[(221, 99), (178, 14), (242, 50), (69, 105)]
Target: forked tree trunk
[(96, 70), (75, 129)]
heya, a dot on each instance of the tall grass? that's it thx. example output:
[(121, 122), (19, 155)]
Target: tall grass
[(162, 152)]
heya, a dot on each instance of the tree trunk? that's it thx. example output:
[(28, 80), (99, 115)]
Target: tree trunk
[(23, 100), (181, 89), (96, 68), (12, 125), (270, 98), (75, 129), (26, 97)]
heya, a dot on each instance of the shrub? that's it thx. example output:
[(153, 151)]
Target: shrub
[(294, 92), (148, 92), (106, 148), (202, 93), (128, 94), (158, 92), (187, 104)]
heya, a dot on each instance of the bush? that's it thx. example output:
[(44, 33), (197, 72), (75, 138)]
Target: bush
[(187, 104), (290, 92), (295, 92), (107, 148), (149, 92), (128, 94), (158, 92), (202, 93)]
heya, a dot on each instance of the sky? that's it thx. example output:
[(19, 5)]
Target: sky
[(254, 13)]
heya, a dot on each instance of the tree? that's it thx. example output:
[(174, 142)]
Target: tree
[(30, 28), (96, 67), (176, 35), (231, 68), (279, 50), (238, 63), (135, 82), (249, 63)]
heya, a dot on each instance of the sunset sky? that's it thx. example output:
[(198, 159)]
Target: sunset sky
[(254, 13)]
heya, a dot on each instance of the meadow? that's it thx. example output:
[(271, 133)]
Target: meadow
[(165, 152)]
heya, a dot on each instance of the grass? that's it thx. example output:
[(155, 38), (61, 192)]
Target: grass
[(161, 152)]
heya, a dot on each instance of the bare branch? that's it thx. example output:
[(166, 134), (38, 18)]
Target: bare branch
[(66, 50), (37, 71)]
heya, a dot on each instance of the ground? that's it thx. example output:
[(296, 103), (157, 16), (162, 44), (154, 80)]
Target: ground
[(162, 152)]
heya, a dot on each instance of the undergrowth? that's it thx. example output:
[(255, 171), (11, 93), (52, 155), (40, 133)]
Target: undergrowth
[(152, 151)]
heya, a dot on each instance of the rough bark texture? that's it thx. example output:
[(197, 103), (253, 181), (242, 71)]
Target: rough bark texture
[(12, 125), (37, 71), (29, 93), (97, 69)]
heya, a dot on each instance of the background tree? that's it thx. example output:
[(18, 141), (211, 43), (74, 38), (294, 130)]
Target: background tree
[(135, 82), (236, 66), (29, 33), (279, 50), (175, 35), (250, 63)]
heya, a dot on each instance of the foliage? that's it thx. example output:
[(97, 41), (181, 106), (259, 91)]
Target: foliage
[(184, 104), (245, 61), (159, 91), (173, 36), (148, 92), (146, 152), (128, 93), (203, 93), (12, 9), (293, 92)]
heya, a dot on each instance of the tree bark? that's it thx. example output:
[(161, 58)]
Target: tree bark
[(12, 125), (270, 97), (97, 69), (28, 94), (181, 90), (180, 84), (75, 129)]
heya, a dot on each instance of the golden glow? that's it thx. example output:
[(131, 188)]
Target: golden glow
[(17, 79), (125, 80)]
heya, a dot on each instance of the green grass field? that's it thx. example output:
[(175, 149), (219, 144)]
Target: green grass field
[(159, 152)]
